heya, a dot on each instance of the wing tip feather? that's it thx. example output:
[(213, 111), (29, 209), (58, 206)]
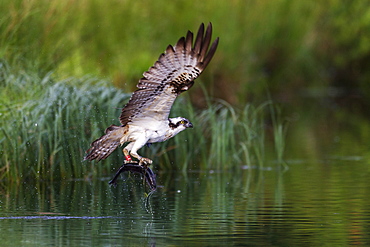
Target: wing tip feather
[(210, 53), (187, 52)]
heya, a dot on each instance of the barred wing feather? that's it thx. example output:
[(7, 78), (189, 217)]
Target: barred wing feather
[(173, 73)]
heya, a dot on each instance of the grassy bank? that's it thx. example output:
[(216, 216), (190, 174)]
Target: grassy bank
[(46, 126)]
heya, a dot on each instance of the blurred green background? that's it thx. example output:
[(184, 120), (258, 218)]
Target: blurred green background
[(311, 58), (291, 47)]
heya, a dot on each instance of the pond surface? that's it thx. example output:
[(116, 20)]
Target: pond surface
[(313, 203)]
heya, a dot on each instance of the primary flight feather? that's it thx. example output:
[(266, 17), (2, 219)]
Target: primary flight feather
[(145, 118)]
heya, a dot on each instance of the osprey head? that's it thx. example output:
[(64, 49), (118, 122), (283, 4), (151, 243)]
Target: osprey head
[(179, 123)]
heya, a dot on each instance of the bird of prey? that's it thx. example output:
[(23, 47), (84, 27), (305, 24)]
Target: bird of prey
[(145, 118)]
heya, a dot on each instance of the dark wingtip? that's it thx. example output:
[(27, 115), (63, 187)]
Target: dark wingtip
[(199, 39), (211, 52), (180, 44)]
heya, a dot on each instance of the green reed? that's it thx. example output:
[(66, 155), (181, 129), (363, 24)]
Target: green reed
[(46, 136), (223, 138), (46, 132)]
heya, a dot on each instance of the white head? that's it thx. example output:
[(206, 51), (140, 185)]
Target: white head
[(178, 124)]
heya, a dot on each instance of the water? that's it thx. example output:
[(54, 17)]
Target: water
[(313, 203)]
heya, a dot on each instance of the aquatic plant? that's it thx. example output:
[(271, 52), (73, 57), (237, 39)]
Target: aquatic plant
[(45, 132)]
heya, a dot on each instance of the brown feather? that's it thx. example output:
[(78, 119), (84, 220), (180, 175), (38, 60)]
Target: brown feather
[(189, 42), (198, 39), (101, 148), (206, 41), (210, 54), (173, 73)]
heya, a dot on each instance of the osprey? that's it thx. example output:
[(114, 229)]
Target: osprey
[(145, 118)]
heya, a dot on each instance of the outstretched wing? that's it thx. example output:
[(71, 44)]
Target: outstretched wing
[(173, 73)]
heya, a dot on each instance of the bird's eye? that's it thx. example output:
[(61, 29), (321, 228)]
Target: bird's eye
[(182, 122)]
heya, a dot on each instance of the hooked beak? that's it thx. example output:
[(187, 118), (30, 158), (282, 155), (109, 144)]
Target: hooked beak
[(189, 125)]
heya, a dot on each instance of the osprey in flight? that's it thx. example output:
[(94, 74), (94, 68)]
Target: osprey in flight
[(145, 118)]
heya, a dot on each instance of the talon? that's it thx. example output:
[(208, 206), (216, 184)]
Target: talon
[(145, 161)]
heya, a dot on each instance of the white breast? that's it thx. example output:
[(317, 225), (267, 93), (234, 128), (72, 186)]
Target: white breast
[(154, 131)]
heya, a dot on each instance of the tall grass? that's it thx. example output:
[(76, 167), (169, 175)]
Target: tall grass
[(225, 137), (45, 134)]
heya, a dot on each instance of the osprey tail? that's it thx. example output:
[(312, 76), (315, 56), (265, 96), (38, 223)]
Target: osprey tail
[(101, 148)]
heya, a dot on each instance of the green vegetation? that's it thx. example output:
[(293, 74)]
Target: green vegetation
[(44, 134), (64, 65), (291, 46)]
